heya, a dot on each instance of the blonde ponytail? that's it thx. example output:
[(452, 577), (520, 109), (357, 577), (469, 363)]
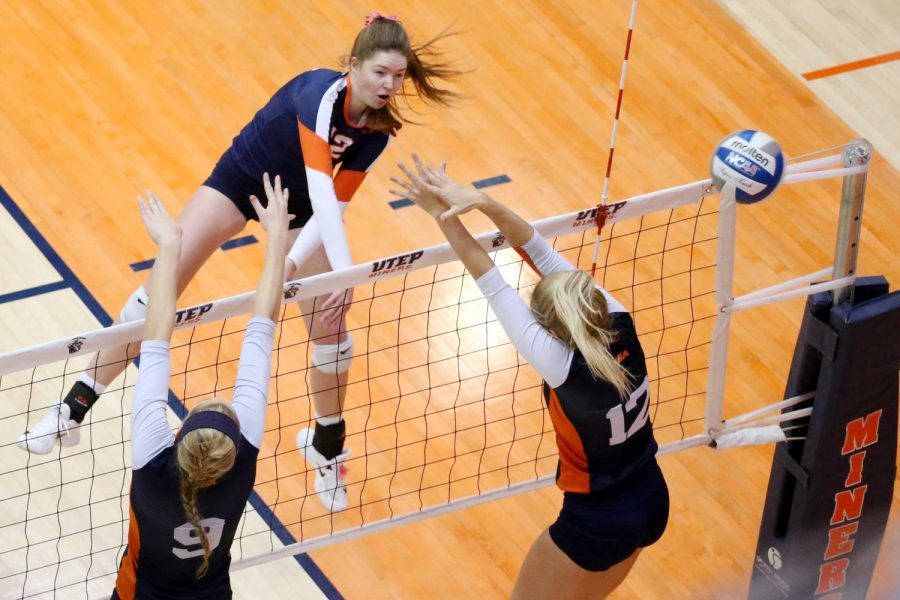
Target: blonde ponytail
[(570, 305), (204, 455)]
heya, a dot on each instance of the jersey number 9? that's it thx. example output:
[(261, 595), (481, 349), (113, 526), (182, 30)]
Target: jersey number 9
[(186, 535)]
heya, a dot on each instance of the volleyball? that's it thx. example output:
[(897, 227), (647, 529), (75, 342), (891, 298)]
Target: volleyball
[(751, 162)]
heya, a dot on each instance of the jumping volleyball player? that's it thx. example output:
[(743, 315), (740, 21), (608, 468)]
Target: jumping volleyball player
[(188, 492), (583, 343), (319, 122)]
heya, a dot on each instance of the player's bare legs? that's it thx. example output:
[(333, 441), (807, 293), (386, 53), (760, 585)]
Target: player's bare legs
[(208, 220), (548, 573), (323, 446)]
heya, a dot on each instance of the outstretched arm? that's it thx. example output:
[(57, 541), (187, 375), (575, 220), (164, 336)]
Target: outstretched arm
[(150, 432), (274, 219), (520, 234), (549, 356), (251, 386), (166, 233)]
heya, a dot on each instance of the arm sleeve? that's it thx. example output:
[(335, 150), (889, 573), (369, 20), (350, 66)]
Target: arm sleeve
[(314, 107), (309, 240), (545, 260), (251, 388), (549, 356), (150, 431)]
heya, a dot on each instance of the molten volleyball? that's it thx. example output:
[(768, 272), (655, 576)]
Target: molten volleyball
[(750, 162)]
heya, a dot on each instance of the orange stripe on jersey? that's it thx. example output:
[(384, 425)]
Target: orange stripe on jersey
[(573, 465), (126, 582), (346, 107), (346, 182), (527, 259), (316, 152)]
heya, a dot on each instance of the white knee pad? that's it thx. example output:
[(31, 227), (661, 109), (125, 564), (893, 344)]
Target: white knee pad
[(333, 358), (136, 307)]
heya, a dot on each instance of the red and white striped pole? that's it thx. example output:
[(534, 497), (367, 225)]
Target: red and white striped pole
[(601, 207)]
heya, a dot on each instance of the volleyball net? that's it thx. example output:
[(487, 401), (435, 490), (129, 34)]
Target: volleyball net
[(441, 411)]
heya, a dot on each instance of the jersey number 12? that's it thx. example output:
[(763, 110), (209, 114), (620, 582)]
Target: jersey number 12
[(617, 414)]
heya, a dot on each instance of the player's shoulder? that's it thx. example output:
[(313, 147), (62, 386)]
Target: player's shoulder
[(621, 322), (318, 81)]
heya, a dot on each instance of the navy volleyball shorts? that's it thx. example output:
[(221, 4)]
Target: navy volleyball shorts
[(230, 179), (602, 529)]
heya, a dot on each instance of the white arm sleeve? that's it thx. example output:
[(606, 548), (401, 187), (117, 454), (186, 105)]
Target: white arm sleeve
[(251, 388), (547, 260), (150, 431), (549, 356), (310, 239), (328, 218)]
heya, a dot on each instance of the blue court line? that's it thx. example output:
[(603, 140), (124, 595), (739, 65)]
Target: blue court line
[(142, 265), (483, 183), (229, 245), (35, 291), (70, 280), (238, 242), (480, 184)]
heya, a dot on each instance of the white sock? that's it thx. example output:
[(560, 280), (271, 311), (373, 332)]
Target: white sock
[(92, 383), (329, 420)]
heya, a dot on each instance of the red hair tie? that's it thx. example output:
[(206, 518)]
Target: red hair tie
[(370, 18)]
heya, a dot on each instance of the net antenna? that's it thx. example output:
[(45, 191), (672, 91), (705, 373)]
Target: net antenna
[(601, 207)]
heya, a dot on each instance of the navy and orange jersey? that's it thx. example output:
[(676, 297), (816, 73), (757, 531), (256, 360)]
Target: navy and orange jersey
[(164, 550), (304, 134), (601, 437)]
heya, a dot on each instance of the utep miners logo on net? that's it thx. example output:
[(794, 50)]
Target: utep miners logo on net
[(75, 344), (193, 314), (291, 290), (396, 263)]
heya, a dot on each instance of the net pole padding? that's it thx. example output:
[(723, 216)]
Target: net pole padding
[(718, 353), (743, 303), (853, 194), (767, 409), (123, 333)]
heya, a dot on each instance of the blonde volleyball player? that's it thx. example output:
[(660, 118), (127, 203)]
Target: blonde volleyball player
[(321, 132), (583, 343), (188, 491)]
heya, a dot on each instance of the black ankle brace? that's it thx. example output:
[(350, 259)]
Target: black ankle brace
[(80, 399), (329, 439)]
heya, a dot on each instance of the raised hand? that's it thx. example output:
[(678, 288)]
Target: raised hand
[(160, 226), (416, 188), (273, 217), (458, 198)]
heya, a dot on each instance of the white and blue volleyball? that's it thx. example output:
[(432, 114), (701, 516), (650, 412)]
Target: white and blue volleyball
[(750, 162)]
